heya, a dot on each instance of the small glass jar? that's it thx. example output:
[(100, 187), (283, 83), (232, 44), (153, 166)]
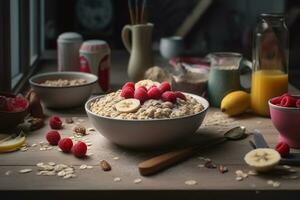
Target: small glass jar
[(270, 61)]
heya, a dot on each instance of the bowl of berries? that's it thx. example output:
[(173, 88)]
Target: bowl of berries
[(285, 115), (146, 114), (13, 110)]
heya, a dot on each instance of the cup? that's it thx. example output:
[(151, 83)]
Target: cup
[(224, 76), (171, 47)]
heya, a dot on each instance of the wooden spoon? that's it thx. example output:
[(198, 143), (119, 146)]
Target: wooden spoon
[(163, 161)]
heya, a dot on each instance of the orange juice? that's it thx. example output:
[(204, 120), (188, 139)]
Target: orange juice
[(265, 85)]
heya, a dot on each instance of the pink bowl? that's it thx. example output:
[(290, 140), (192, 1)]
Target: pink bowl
[(287, 121)]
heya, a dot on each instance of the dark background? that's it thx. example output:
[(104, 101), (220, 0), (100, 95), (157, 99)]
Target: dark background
[(226, 25)]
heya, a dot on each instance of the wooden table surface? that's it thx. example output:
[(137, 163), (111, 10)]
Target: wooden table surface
[(95, 183)]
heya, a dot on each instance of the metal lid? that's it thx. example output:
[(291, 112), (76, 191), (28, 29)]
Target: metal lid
[(93, 46), (69, 37)]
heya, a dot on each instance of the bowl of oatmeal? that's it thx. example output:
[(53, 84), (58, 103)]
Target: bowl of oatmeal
[(63, 89), (135, 123)]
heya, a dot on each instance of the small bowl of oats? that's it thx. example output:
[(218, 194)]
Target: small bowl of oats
[(63, 89), (135, 122)]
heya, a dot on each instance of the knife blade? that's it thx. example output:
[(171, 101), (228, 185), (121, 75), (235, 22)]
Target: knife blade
[(259, 140)]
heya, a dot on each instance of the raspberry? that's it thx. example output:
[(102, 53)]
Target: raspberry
[(141, 95), (276, 100), (168, 96), (55, 122), (179, 94), (127, 92), (65, 144), (53, 137), (79, 149), (288, 101), (165, 86), (298, 103), (283, 149), (128, 84), (154, 93), (143, 88)]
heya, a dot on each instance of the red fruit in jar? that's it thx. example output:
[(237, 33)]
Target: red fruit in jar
[(276, 100), (165, 86), (53, 137), (128, 84), (180, 95), (143, 88), (65, 144), (154, 93), (79, 149), (55, 122), (298, 103), (288, 101), (283, 149), (169, 96), (141, 95), (127, 92)]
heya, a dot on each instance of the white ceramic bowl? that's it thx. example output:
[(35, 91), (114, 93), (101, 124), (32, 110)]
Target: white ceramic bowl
[(63, 97), (146, 133)]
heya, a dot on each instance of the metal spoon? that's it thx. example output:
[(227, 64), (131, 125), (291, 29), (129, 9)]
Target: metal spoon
[(163, 161)]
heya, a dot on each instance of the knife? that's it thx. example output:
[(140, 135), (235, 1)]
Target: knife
[(260, 142)]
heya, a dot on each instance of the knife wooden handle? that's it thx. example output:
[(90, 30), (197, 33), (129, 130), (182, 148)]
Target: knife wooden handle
[(163, 161)]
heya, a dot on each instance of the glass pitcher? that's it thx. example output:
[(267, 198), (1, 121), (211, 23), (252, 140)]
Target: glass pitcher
[(224, 75), (270, 61)]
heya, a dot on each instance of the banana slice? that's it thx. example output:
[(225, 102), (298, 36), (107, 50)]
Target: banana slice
[(147, 83), (128, 105), (8, 144), (262, 159)]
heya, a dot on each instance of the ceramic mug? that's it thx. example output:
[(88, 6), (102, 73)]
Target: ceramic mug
[(171, 47), (224, 75)]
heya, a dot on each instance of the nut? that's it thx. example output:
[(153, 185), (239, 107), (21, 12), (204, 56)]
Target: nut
[(223, 169), (80, 130), (209, 164), (35, 123), (105, 165)]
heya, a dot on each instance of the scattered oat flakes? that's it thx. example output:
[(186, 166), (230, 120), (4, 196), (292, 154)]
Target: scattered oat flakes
[(291, 177), (270, 182), (33, 145), (276, 184), (190, 182), (81, 120), (137, 181), (117, 179), (90, 129), (83, 166), (89, 167), (292, 170), (200, 165), (286, 166), (116, 158), (239, 178), (51, 163), (252, 173), (23, 171), (89, 154), (8, 173)]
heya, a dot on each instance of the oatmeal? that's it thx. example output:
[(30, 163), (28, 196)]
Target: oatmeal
[(64, 82), (150, 109)]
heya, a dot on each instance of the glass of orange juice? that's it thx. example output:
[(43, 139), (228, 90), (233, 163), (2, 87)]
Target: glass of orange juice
[(270, 62)]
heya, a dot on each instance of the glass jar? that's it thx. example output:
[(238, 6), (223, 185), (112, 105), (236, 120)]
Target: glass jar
[(270, 61)]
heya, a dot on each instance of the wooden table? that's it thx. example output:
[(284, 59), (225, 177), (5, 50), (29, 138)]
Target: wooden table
[(95, 183)]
